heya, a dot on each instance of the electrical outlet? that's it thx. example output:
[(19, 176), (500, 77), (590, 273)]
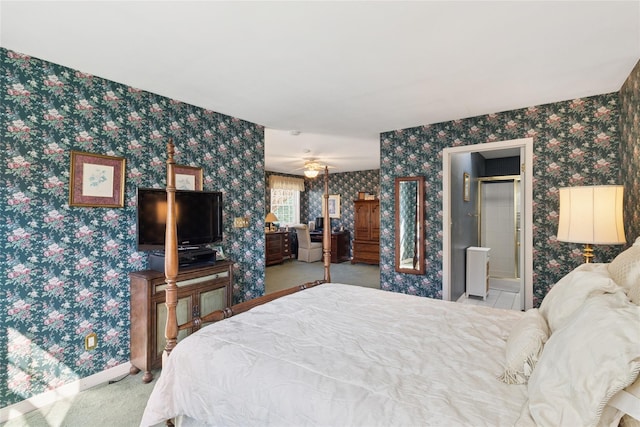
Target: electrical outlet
[(90, 341), (240, 222)]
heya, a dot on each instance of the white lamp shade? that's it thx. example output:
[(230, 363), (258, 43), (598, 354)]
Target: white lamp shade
[(591, 214)]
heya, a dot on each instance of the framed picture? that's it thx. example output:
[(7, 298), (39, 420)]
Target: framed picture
[(361, 195), (334, 205), (369, 196), (219, 252), (96, 180), (466, 187), (188, 177)]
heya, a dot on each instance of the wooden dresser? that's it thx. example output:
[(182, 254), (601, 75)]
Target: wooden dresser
[(201, 290), (277, 247), (366, 236)]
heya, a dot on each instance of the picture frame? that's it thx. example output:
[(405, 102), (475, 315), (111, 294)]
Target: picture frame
[(466, 187), (334, 205), (361, 195), (96, 180), (219, 252), (188, 177), (369, 196)]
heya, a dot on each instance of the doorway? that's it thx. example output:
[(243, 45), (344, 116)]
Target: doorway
[(452, 262)]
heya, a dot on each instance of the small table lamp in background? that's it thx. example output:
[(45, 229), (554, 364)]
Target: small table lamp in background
[(591, 215), (270, 219)]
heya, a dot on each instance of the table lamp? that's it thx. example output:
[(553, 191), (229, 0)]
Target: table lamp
[(591, 215), (270, 219)]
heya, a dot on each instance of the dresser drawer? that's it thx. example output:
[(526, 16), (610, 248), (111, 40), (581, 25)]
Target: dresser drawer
[(368, 252), (372, 249)]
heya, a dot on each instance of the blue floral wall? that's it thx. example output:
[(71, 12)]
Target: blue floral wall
[(630, 151), (346, 185), (64, 270), (576, 142)]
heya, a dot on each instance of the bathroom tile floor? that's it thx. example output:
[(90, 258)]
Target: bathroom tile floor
[(496, 298)]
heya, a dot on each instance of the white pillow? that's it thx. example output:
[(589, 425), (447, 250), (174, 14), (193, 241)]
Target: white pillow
[(570, 292), (524, 347), (595, 355), (625, 271)]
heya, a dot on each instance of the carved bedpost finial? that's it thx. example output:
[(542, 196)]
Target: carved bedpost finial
[(170, 150)]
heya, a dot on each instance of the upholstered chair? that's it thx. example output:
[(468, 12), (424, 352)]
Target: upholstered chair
[(308, 251)]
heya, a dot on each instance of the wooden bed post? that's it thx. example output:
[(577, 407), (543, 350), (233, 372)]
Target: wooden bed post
[(326, 233), (171, 257)]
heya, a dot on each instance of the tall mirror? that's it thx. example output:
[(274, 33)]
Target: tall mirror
[(409, 209)]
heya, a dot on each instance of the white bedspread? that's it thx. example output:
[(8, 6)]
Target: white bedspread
[(342, 355)]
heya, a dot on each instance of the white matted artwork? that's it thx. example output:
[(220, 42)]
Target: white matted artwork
[(188, 177), (334, 205), (97, 180), (185, 182)]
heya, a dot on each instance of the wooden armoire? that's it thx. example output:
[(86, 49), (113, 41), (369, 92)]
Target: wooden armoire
[(366, 236)]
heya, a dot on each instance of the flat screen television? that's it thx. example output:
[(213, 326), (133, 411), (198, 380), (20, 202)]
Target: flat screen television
[(199, 218)]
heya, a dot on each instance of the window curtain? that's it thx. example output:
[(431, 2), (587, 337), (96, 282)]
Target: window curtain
[(278, 182)]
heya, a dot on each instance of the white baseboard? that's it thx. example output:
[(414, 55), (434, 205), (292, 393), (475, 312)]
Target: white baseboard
[(64, 392)]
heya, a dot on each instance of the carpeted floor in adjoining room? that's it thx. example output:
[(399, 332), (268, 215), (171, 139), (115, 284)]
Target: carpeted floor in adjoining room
[(293, 272)]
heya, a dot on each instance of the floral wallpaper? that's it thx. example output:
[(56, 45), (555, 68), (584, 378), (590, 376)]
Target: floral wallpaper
[(576, 142), (64, 270), (630, 151), (346, 185)]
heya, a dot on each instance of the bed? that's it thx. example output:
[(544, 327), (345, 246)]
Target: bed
[(332, 354)]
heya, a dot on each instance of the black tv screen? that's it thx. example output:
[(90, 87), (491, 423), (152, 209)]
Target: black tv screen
[(199, 218)]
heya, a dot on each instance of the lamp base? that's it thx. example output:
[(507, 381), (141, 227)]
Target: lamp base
[(588, 253)]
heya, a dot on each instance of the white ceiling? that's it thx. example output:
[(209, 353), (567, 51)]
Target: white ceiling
[(338, 72)]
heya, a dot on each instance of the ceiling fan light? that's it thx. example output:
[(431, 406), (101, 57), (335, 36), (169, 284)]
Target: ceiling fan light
[(310, 173)]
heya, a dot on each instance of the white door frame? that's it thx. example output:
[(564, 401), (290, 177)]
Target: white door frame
[(526, 147)]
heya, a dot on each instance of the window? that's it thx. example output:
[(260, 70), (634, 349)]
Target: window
[(285, 204)]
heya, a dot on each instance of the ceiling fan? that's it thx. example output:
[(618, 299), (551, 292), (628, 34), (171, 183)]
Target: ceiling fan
[(312, 165), (312, 168)]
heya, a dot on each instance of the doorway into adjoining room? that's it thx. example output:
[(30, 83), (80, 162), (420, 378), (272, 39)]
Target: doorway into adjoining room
[(495, 212)]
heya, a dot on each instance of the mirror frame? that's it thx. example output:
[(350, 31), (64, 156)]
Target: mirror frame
[(420, 265)]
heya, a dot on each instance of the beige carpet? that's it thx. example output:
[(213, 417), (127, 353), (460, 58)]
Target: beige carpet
[(119, 404), (122, 403), (293, 272)]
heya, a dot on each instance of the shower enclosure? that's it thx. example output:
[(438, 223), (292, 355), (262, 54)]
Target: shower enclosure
[(499, 229)]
